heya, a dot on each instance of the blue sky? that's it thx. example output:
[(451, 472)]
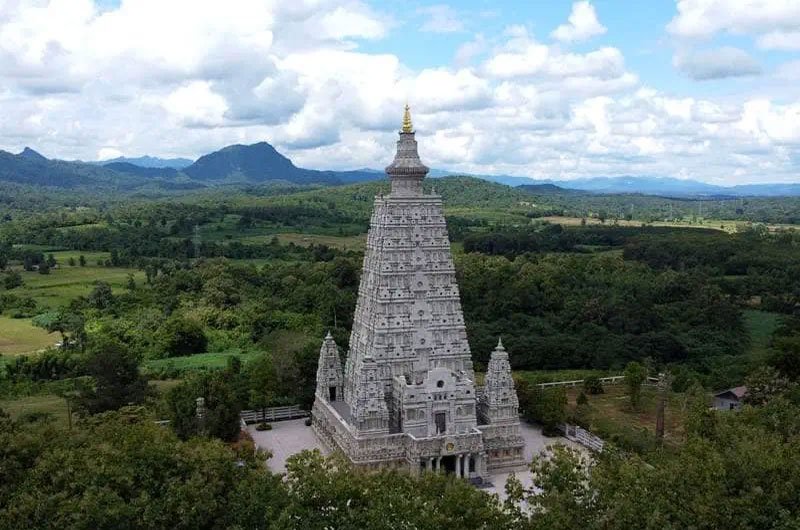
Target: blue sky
[(702, 89)]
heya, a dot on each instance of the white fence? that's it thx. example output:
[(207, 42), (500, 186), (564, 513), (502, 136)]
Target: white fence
[(273, 414), (613, 380), (583, 437)]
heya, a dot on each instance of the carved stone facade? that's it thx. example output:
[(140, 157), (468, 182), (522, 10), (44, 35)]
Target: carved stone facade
[(409, 397)]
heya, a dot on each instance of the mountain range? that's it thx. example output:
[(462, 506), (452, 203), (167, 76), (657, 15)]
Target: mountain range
[(261, 163)]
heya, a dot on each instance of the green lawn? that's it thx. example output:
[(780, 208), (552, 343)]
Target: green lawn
[(65, 283), (19, 336), (200, 360)]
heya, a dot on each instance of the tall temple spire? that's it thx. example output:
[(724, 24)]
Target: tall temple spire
[(406, 170)]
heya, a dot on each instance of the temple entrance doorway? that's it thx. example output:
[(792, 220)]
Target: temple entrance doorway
[(332, 394), (449, 464)]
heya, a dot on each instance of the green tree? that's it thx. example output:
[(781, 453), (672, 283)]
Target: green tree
[(12, 280), (635, 375), (101, 296), (82, 260), (121, 471), (69, 325), (71, 261), (44, 268), (115, 373), (179, 336), (329, 493), (545, 406), (220, 415)]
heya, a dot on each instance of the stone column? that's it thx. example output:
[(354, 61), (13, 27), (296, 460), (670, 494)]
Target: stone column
[(429, 464), (438, 463), (459, 461), (467, 461)]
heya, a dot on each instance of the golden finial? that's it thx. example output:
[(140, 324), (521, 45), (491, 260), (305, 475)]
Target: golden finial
[(407, 127)]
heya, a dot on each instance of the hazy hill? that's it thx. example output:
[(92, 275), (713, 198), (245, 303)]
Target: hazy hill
[(142, 171), (261, 162), (29, 167), (150, 162)]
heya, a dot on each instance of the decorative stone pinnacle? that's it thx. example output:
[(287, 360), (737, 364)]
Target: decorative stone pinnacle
[(328, 335), (499, 344), (407, 127)]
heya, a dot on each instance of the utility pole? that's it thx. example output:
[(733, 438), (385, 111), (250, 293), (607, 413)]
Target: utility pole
[(664, 380)]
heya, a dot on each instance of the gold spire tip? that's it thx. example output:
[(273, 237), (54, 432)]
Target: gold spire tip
[(407, 127)]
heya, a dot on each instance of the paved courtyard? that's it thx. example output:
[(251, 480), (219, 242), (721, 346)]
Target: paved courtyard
[(289, 437)]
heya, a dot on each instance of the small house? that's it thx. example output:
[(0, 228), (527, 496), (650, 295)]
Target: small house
[(730, 399)]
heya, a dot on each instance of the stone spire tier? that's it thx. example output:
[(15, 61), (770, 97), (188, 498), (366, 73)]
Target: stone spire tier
[(406, 171)]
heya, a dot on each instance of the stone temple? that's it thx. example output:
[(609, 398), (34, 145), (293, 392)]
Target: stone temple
[(407, 396)]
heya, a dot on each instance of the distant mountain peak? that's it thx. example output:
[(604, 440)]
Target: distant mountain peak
[(31, 154)]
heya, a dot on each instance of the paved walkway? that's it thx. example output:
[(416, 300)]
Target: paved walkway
[(289, 437), (285, 439)]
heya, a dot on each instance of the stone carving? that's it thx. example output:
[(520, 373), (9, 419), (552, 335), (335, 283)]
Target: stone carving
[(409, 396)]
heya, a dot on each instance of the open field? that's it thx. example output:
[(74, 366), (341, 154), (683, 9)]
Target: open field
[(18, 336), (713, 224), (200, 360), (48, 404), (610, 414), (65, 283)]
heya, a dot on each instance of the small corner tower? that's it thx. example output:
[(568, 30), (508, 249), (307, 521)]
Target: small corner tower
[(329, 371), (499, 403)]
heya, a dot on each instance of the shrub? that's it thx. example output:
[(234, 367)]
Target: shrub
[(592, 385), (264, 426), (308, 422)]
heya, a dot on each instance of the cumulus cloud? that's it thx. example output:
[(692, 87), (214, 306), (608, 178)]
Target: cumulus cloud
[(581, 25), (183, 78), (717, 64), (704, 18)]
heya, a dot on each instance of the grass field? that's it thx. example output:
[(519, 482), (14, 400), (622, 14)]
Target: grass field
[(200, 360), (49, 404), (610, 413), (50, 291), (18, 336), (65, 283), (713, 224)]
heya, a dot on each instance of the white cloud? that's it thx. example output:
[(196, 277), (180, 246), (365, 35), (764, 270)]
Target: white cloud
[(440, 19), (582, 24), (184, 78), (780, 40), (196, 105), (107, 153), (704, 18), (718, 63)]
